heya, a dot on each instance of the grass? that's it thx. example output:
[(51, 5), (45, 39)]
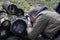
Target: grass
[(26, 4)]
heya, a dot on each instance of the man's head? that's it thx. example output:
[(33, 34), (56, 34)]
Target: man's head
[(33, 13)]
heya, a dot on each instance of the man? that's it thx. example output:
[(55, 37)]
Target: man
[(33, 13), (46, 23)]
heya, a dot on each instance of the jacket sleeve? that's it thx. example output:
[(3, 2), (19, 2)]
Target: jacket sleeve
[(38, 26)]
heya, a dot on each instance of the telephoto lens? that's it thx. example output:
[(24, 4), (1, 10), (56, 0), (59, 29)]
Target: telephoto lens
[(6, 24), (4, 20), (18, 27)]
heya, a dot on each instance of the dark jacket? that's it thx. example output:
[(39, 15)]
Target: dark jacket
[(47, 22)]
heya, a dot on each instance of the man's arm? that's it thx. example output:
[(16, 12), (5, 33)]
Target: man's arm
[(38, 26)]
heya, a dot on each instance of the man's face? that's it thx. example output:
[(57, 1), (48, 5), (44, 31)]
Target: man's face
[(32, 18)]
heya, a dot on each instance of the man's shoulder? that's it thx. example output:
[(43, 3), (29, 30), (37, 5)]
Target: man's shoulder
[(50, 14), (47, 12)]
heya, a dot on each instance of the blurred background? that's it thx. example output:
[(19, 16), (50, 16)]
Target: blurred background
[(27, 4)]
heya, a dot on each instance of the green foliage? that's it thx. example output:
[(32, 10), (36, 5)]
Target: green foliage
[(49, 3), (26, 4)]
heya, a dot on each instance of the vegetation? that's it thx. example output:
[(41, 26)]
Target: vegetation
[(26, 4)]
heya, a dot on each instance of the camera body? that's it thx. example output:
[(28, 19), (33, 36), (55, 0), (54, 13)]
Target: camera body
[(13, 20), (18, 25), (15, 25)]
